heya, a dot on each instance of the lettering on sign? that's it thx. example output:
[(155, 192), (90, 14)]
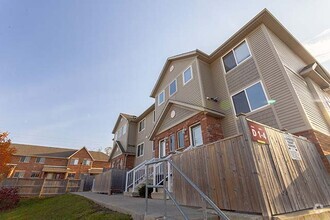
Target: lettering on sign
[(292, 148), (258, 133)]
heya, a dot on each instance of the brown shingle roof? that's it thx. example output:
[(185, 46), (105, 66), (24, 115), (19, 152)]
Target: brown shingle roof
[(99, 156), (42, 151)]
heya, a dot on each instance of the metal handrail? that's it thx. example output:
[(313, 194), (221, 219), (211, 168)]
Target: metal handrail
[(205, 197)]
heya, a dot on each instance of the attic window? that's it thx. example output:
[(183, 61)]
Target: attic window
[(187, 75), (236, 56)]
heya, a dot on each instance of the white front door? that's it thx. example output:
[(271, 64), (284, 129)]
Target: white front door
[(162, 149), (196, 135)]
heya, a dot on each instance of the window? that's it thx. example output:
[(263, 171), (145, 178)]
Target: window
[(154, 116), (196, 135), (153, 146), (19, 174), (74, 161), (86, 162), (236, 56), (124, 129), (161, 98), (162, 149), (140, 149), (35, 174), (40, 160), (24, 159), (181, 139), (187, 75), (71, 175), (173, 87), (172, 143), (250, 99), (142, 125)]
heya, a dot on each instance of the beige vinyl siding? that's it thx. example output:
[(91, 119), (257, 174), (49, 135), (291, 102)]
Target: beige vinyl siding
[(276, 84), (189, 93), (132, 133), (293, 64), (123, 138), (181, 114), (208, 85), (242, 76), (143, 136), (220, 87), (308, 102), (265, 116), (287, 56)]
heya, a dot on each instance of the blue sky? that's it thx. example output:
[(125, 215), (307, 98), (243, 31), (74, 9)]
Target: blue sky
[(68, 68)]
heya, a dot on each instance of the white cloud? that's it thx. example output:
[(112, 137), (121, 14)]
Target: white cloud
[(319, 46)]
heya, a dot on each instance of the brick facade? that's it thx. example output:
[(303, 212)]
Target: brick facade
[(210, 126), (322, 143), (123, 161), (62, 165)]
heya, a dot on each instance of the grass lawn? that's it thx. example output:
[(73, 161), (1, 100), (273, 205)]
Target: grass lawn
[(66, 206)]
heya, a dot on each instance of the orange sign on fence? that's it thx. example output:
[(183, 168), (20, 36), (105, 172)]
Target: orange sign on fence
[(258, 133)]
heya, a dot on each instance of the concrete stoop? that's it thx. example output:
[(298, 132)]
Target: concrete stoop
[(132, 194)]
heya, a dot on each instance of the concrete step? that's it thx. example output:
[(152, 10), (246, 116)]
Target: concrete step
[(132, 194)]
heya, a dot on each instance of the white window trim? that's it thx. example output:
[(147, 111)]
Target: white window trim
[(247, 98), (192, 75), (137, 150), (164, 139), (159, 103), (90, 162), (190, 134), (176, 87), (183, 130), (144, 125), (74, 163), (232, 49)]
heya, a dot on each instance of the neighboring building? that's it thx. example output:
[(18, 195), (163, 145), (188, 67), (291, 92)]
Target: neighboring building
[(131, 144), (32, 161), (262, 71)]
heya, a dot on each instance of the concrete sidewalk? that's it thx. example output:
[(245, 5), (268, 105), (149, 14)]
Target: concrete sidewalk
[(136, 208)]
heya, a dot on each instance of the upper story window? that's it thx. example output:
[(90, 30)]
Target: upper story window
[(250, 99), (25, 159), (172, 142), (181, 139), (140, 149), (154, 116), (173, 87), (236, 56), (86, 162), (71, 175), (142, 125), (35, 174), (187, 75), (74, 161), (40, 160), (161, 98), (19, 174)]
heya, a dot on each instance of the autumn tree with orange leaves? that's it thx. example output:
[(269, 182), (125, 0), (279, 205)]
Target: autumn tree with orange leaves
[(5, 154)]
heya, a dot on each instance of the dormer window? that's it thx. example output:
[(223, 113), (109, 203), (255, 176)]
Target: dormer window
[(236, 56), (173, 87), (187, 75), (161, 98)]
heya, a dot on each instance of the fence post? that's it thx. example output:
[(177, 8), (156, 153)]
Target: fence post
[(262, 197), (67, 185), (42, 187), (133, 181), (154, 177), (169, 183)]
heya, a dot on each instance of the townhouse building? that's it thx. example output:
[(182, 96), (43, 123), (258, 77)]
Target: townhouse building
[(261, 71), (31, 161)]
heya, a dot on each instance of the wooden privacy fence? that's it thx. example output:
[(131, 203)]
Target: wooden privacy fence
[(110, 182), (41, 187), (246, 176)]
